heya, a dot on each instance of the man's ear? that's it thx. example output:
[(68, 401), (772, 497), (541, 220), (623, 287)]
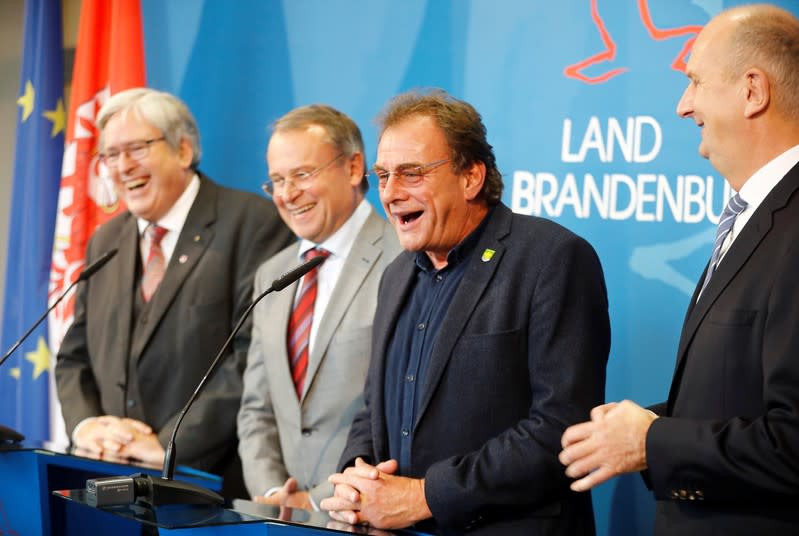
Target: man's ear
[(475, 176), (185, 153), (758, 92), (357, 170)]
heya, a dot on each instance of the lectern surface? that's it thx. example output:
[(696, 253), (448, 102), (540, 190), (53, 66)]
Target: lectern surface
[(170, 516), (241, 512)]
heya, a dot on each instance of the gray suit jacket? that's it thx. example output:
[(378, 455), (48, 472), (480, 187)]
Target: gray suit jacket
[(111, 363), (280, 436)]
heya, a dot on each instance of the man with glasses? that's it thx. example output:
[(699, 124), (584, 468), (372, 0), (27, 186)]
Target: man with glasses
[(310, 344), (491, 336), (148, 325)]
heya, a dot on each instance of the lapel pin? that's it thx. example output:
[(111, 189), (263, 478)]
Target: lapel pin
[(488, 254), (183, 258), (196, 238)]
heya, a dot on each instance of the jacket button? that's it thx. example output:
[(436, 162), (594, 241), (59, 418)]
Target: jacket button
[(306, 432), (131, 403)]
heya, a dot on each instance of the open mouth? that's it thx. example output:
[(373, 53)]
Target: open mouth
[(303, 209), (135, 184), (409, 217)]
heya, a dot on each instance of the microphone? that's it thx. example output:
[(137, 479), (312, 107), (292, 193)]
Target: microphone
[(7, 434), (95, 266), (165, 490), (84, 275)]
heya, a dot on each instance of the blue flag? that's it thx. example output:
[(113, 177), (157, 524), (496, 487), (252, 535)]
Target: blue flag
[(41, 121)]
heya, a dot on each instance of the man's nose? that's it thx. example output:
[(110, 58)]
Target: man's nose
[(685, 106)]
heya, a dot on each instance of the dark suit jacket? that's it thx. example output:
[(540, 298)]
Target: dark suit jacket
[(111, 363), (725, 458), (520, 356)]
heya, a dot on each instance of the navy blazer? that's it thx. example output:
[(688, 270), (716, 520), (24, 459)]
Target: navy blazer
[(520, 356), (728, 460)]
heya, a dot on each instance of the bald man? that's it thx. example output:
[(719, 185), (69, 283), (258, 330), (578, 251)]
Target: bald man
[(720, 453)]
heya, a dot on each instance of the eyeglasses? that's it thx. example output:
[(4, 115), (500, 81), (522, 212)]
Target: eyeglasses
[(301, 180), (407, 175), (137, 150)]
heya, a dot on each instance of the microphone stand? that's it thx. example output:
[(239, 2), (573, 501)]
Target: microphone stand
[(165, 490), (8, 435)]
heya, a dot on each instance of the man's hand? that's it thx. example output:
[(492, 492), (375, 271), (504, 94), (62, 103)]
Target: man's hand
[(613, 442), (145, 447), (372, 494), (288, 497), (346, 500), (108, 433)]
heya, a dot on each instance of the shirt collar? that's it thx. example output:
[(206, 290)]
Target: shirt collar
[(176, 216), (460, 252), (340, 242), (759, 185)]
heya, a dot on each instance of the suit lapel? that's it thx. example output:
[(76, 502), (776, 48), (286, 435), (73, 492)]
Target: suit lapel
[(275, 332), (470, 290), (684, 335), (196, 235), (122, 295), (734, 260), (363, 255)]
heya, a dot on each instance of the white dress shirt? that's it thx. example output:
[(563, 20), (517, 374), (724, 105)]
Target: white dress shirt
[(172, 221), (339, 245)]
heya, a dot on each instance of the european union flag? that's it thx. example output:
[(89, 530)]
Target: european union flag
[(25, 377)]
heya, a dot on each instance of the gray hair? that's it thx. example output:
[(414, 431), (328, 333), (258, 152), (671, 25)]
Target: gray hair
[(341, 131), (165, 112), (767, 37)]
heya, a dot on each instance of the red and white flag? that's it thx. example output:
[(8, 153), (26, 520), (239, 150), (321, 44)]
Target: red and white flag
[(109, 58)]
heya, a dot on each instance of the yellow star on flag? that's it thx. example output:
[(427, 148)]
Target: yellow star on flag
[(27, 100), (14, 373), (58, 117), (40, 358)]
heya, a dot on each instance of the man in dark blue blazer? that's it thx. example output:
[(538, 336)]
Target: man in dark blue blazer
[(491, 336), (721, 453)]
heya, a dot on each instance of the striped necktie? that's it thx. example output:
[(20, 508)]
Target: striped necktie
[(155, 266), (734, 207), (299, 329)]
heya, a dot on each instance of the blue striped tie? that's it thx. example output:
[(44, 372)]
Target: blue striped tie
[(734, 207)]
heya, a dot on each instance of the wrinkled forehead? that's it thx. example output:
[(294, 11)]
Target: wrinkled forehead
[(417, 139)]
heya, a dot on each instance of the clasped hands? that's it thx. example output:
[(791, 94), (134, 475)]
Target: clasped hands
[(119, 437), (613, 442), (373, 494)]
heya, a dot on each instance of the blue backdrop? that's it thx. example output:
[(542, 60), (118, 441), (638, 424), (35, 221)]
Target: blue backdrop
[(578, 97)]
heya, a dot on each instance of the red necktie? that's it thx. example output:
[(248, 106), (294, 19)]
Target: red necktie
[(155, 265), (299, 330)]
